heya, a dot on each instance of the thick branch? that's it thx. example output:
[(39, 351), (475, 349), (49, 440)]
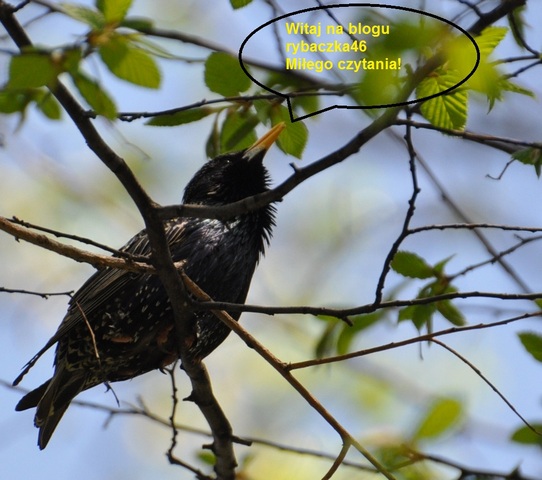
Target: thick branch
[(500, 11), (147, 207), (202, 395)]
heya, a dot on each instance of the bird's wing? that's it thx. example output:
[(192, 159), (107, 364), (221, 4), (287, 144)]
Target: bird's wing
[(103, 286)]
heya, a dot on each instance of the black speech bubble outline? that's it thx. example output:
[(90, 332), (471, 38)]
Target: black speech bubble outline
[(360, 107)]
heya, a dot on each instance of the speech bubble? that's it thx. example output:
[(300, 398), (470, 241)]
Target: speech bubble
[(317, 43)]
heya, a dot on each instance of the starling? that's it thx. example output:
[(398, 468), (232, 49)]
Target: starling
[(120, 324)]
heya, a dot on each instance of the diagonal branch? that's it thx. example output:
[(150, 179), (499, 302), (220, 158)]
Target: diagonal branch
[(95, 259), (478, 372), (409, 341), (284, 371)]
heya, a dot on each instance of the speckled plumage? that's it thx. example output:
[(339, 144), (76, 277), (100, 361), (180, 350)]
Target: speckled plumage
[(120, 324)]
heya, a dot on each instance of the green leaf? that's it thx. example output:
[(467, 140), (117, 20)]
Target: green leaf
[(31, 70), (95, 96), (49, 106), (360, 323), (451, 313), (113, 10), (180, 118), (406, 313), (11, 102), (237, 131), (207, 457), (91, 17), (439, 267), (293, 138), (263, 109), (530, 156), (509, 86), (445, 111), (517, 24), (130, 63), (308, 103), (423, 314), (411, 265), (488, 79), (137, 23), (325, 344), (444, 414), (532, 343), (68, 60), (140, 41), (224, 75), (488, 40), (239, 3), (212, 145), (526, 436)]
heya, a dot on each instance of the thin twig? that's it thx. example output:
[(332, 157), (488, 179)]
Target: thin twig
[(409, 341), (476, 370), (95, 259), (408, 216), (77, 238), (508, 145), (44, 295)]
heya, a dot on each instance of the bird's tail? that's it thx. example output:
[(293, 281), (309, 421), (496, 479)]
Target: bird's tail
[(52, 399)]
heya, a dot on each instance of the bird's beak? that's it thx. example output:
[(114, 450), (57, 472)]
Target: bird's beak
[(264, 143)]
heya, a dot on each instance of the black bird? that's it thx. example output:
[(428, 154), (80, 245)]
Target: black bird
[(120, 325)]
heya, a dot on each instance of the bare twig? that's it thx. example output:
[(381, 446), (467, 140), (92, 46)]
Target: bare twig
[(44, 295), (476, 370), (522, 242), (77, 238), (508, 145), (409, 341), (95, 259), (467, 472), (408, 217), (446, 197)]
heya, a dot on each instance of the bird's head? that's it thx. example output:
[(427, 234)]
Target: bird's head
[(232, 176)]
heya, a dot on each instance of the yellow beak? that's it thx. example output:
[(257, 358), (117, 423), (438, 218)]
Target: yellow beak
[(264, 143)]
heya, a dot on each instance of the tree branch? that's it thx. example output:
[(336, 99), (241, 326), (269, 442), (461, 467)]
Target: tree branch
[(500, 11), (161, 256), (409, 341), (284, 371), (476, 370), (507, 145), (94, 259)]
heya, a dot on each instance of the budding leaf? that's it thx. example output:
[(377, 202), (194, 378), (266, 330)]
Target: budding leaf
[(444, 111)]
